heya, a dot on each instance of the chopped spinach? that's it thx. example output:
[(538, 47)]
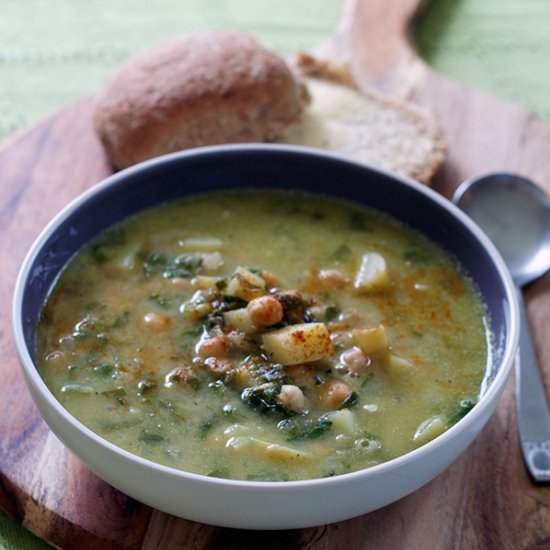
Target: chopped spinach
[(151, 437), (264, 398), (367, 380), (463, 407), (349, 401), (161, 301), (268, 475), (343, 252), (106, 369), (100, 248), (416, 256), (185, 265), (331, 313), (206, 425), (300, 428), (358, 222), (146, 386), (220, 472)]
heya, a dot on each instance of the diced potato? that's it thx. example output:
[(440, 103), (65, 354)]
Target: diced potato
[(202, 244), (372, 274), (396, 364), (126, 260), (237, 430), (203, 282), (429, 429), (240, 319), (371, 340), (299, 343), (245, 285), (342, 421), (269, 450), (212, 261)]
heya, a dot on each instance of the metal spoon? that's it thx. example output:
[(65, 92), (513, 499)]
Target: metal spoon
[(515, 214)]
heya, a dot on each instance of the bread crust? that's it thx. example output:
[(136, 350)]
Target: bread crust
[(202, 88), (423, 147)]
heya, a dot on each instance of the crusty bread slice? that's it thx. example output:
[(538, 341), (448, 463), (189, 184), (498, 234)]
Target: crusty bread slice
[(365, 125)]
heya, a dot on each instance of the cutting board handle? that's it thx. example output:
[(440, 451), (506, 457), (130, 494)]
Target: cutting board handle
[(378, 46)]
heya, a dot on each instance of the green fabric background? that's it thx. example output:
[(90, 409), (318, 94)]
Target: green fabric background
[(55, 51)]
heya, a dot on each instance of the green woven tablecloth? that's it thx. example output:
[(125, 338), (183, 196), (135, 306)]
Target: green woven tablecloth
[(55, 51)]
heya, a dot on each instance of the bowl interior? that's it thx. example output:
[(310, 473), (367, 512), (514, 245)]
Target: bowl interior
[(229, 167)]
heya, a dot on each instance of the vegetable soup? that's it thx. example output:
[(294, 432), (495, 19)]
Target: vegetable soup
[(262, 335)]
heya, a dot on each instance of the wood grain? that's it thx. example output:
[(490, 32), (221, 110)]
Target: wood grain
[(484, 500)]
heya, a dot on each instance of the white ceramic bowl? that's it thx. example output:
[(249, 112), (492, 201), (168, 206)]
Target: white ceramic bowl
[(249, 504)]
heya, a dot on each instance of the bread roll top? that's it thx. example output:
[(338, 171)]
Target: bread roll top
[(202, 88)]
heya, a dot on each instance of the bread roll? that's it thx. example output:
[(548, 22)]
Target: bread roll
[(202, 88), (365, 125)]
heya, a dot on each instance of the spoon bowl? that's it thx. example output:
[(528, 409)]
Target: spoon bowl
[(515, 214)]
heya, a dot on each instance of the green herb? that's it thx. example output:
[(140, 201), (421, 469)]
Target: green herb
[(153, 263), (172, 408), (343, 252), (186, 265), (301, 429), (107, 369), (194, 382), (463, 407), (146, 386), (117, 391), (417, 257), (108, 426), (220, 472), (230, 303), (263, 398), (121, 320), (367, 380), (160, 301), (206, 425), (101, 247), (358, 222), (151, 437), (349, 401), (268, 475), (331, 313), (119, 394), (221, 283)]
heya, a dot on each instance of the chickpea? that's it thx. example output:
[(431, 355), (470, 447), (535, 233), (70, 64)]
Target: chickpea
[(355, 361), (218, 365), (156, 320), (292, 398), (265, 311), (218, 346), (333, 394), (332, 278)]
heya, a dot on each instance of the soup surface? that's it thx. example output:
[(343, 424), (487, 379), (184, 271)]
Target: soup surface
[(264, 336)]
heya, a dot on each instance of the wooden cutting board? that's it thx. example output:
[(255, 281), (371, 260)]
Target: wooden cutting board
[(484, 500)]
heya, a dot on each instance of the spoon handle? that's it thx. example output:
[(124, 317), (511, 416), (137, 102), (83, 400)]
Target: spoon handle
[(532, 406)]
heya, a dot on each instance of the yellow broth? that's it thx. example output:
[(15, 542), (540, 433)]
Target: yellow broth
[(138, 339)]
